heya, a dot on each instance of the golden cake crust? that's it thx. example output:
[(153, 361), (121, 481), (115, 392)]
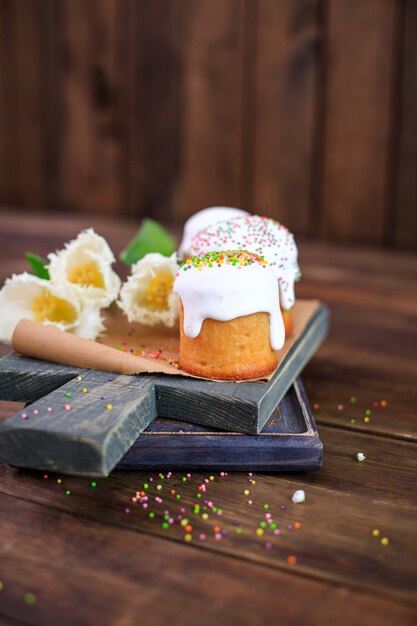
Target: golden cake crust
[(238, 349)]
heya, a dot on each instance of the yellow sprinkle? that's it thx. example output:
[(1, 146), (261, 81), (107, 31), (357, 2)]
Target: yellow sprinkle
[(188, 537), (109, 407), (366, 419), (85, 390), (211, 477), (385, 541), (375, 532), (79, 377), (205, 516), (254, 482), (259, 532), (246, 492), (1, 585), (59, 481), (159, 487)]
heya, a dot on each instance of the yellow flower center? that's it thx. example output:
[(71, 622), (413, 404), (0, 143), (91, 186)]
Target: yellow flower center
[(87, 274), (47, 307), (158, 291)]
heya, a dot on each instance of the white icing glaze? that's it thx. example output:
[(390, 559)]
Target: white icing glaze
[(226, 292), (202, 219), (260, 235)]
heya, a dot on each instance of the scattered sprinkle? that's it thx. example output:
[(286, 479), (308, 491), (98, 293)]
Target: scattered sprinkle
[(298, 496), (30, 598), (360, 457)]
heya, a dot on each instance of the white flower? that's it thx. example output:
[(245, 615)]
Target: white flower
[(298, 496), (85, 265), (29, 297), (147, 295)]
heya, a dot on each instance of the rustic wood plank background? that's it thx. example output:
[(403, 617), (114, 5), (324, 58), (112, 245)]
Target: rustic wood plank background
[(303, 110)]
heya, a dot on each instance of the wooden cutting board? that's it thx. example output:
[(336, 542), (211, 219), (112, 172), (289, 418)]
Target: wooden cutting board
[(69, 430)]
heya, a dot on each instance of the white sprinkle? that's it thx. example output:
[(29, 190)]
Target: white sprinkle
[(360, 457), (298, 496)]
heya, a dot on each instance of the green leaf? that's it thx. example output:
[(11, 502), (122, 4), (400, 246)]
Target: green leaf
[(151, 237), (37, 265)]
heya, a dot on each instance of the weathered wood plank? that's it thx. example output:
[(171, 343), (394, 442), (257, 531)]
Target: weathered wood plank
[(211, 104), (180, 571), (405, 217), (94, 132), (359, 54), (284, 85), (24, 105), (84, 432), (154, 84)]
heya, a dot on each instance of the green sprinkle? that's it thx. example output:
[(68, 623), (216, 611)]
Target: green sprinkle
[(165, 525), (151, 515), (368, 412), (353, 421), (266, 507), (239, 531), (262, 524), (93, 483), (145, 485), (273, 526), (353, 399), (30, 598), (177, 496), (68, 394), (68, 492)]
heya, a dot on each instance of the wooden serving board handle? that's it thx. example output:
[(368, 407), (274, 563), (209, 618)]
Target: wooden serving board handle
[(48, 343)]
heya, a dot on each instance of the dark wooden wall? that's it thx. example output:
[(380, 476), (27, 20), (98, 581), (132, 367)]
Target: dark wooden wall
[(305, 110)]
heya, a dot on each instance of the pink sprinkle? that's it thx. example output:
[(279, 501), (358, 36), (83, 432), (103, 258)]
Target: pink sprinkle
[(250, 502), (218, 536), (24, 416), (277, 531), (67, 407), (268, 545), (340, 407), (127, 511), (202, 537), (49, 409), (35, 412), (145, 506), (134, 499)]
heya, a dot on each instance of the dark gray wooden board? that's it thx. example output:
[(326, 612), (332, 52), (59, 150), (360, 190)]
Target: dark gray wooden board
[(88, 439), (289, 442)]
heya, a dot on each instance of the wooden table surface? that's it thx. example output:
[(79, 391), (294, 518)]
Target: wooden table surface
[(89, 555)]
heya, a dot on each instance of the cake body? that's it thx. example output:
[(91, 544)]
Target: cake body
[(259, 235), (203, 219), (230, 323)]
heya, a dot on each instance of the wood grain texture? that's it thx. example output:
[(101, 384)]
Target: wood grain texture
[(289, 442), (284, 86), (211, 104), (154, 48), (359, 53), (93, 145), (146, 563), (405, 215), (24, 103)]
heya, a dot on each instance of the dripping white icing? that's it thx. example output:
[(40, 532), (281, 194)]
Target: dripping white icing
[(226, 292), (259, 235), (203, 219)]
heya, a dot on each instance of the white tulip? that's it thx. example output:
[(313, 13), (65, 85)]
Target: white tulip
[(84, 264), (25, 296), (147, 295)]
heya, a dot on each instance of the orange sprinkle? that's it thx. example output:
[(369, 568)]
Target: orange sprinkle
[(173, 492), (217, 529), (384, 403), (297, 525), (188, 528), (292, 560)]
